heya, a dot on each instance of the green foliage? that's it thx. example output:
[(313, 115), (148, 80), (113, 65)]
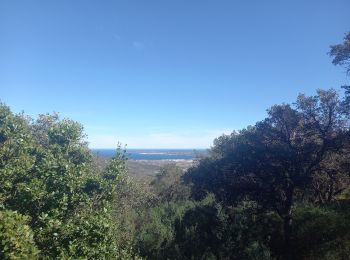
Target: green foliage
[(16, 237), (211, 231), (341, 53), (46, 173), (155, 239), (15, 152), (204, 230), (322, 232), (168, 184), (258, 251), (200, 232), (297, 154), (133, 198)]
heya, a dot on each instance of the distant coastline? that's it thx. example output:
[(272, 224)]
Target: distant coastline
[(154, 154)]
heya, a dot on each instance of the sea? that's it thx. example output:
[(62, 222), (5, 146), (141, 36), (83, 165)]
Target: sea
[(154, 154)]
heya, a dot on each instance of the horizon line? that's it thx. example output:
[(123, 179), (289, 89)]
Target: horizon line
[(148, 148)]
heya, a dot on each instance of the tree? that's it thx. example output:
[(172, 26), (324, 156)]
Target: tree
[(274, 162), (341, 53), (47, 176)]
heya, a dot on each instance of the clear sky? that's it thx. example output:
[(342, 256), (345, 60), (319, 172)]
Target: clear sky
[(165, 74)]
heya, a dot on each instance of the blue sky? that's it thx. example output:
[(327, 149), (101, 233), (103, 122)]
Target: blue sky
[(165, 74)]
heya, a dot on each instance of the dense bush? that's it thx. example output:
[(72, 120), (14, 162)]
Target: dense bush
[(322, 232), (47, 176), (16, 237)]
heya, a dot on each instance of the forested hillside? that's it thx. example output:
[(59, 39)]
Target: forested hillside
[(279, 189)]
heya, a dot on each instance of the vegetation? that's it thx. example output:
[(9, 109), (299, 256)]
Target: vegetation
[(49, 187), (341, 53), (276, 190), (296, 155)]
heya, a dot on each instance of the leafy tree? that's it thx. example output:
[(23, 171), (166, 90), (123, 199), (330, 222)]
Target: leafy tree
[(275, 161), (331, 180), (47, 175), (341, 56), (341, 53)]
